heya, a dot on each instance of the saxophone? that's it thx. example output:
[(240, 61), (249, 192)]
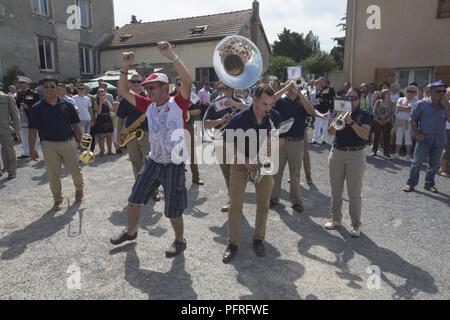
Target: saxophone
[(132, 132)]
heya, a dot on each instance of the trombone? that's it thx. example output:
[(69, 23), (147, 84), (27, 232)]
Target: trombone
[(87, 156)]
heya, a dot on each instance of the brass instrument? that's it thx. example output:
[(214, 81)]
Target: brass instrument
[(339, 122), (87, 156), (132, 132)]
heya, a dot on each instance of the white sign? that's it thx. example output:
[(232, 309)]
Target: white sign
[(342, 104), (294, 72)]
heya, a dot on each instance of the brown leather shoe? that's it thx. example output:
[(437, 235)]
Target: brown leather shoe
[(57, 206), (298, 208), (79, 194)]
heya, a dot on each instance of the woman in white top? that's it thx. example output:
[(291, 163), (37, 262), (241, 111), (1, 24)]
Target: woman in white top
[(444, 170), (402, 126)]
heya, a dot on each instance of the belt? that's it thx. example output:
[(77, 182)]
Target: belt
[(167, 164), (358, 148), (294, 139)]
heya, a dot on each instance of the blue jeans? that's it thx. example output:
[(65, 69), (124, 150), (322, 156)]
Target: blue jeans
[(422, 150)]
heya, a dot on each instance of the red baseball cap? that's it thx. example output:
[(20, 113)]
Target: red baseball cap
[(156, 77)]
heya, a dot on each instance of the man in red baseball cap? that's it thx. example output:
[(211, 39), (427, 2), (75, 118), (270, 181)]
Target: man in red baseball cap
[(166, 119)]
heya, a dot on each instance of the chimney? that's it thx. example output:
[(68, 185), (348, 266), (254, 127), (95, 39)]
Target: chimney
[(254, 22)]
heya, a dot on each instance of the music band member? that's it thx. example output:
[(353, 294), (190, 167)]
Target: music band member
[(219, 119), (257, 117), (127, 114), (347, 162), (165, 115), (293, 105), (57, 121)]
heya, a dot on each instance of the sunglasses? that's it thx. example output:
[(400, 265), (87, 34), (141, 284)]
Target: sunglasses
[(135, 82), (81, 89), (50, 87), (441, 91), (410, 91), (151, 88)]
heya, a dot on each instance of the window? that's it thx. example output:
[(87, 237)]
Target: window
[(443, 9), (421, 76), (41, 7), (199, 30), (205, 75), (85, 13), (46, 54), (86, 60)]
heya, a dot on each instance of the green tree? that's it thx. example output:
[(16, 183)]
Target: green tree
[(319, 64), (338, 51), (11, 75), (278, 65), (295, 46)]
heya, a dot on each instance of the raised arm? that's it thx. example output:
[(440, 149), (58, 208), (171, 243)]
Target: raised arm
[(124, 87), (282, 91), (166, 50)]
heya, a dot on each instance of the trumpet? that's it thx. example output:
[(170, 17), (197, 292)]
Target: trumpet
[(87, 156), (339, 122), (132, 132)]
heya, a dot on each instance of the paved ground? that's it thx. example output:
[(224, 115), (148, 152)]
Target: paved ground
[(405, 235)]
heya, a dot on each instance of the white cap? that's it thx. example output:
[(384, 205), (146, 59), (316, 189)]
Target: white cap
[(156, 77), (24, 79)]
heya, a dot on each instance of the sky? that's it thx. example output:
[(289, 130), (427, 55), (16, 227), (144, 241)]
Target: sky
[(320, 16)]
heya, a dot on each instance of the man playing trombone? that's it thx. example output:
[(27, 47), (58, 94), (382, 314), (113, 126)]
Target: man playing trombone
[(295, 106), (347, 162)]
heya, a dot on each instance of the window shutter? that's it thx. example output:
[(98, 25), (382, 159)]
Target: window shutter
[(443, 9), (386, 74), (442, 73)]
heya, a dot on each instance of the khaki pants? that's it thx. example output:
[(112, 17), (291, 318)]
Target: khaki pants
[(8, 154), (306, 158), (137, 151), (238, 183), (292, 154), (190, 144), (56, 153), (347, 166)]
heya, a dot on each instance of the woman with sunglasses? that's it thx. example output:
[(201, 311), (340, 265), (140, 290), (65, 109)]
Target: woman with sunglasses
[(103, 124), (347, 162)]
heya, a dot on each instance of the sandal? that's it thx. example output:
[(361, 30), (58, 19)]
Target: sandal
[(444, 173)]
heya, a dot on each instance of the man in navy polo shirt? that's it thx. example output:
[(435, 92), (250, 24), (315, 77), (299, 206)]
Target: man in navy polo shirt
[(57, 122), (295, 106), (258, 117), (428, 120)]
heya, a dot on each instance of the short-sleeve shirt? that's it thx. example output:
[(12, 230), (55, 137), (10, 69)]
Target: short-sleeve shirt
[(54, 123), (84, 103), (347, 137), (431, 121), (292, 109), (166, 123), (325, 100), (246, 120), (128, 111), (403, 115)]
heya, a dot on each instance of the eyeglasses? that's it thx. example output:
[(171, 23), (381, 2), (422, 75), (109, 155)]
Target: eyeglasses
[(353, 98), (151, 88), (80, 89), (50, 87)]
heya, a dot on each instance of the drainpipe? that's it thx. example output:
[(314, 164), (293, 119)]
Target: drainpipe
[(352, 52)]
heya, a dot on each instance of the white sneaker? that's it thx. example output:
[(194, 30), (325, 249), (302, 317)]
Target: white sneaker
[(355, 232), (331, 225)]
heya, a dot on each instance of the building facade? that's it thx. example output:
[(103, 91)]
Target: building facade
[(50, 37), (412, 43), (195, 40)]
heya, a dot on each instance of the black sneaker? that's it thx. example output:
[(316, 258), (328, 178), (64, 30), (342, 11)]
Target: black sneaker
[(259, 248), (11, 176), (122, 237), (273, 203), (229, 253), (298, 208), (176, 248), (387, 155), (23, 157)]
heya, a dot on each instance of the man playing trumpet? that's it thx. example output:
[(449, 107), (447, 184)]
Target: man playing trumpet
[(166, 117)]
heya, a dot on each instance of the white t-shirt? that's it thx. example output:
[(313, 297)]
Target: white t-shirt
[(84, 103), (403, 115), (249, 101)]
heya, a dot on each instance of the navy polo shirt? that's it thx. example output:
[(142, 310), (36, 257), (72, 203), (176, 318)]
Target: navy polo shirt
[(54, 123), (347, 137), (246, 120), (292, 109), (128, 111)]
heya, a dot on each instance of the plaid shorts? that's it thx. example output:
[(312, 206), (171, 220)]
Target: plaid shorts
[(173, 179)]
